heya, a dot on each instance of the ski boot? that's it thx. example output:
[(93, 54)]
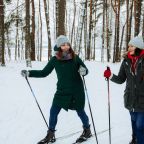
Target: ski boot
[(50, 137), (85, 135), (133, 141)]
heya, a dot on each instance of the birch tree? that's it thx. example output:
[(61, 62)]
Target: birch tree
[(46, 7), (27, 34)]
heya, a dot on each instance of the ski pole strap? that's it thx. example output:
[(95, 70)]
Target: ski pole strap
[(37, 102), (107, 79)]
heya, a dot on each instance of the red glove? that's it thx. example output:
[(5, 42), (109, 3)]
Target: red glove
[(107, 73)]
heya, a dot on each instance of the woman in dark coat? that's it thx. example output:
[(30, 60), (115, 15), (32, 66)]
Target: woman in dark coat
[(70, 90), (132, 71)]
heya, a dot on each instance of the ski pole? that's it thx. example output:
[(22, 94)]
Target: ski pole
[(90, 109), (108, 68), (37, 102)]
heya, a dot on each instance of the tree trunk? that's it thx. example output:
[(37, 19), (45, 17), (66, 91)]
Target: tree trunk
[(2, 42), (90, 28), (85, 30), (61, 17), (116, 8), (8, 43), (17, 33), (118, 32), (33, 32), (107, 32), (137, 15), (48, 28), (57, 16), (128, 22), (73, 25), (103, 33), (94, 29), (80, 28), (40, 17), (27, 34)]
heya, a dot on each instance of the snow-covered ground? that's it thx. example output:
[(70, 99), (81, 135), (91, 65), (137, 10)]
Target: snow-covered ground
[(22, 123)]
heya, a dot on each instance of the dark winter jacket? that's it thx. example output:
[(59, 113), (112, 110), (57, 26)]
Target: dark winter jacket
[(134, 91), (70, 91)]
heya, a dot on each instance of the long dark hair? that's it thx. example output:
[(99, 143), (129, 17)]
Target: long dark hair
[(137, 52), (71, 51)]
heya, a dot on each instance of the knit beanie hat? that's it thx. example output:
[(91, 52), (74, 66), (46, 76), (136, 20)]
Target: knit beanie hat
[(137, 42), (61, 40)]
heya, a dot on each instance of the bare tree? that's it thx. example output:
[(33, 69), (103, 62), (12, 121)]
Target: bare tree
[(33, 32), (2, 41), (61, 17), (103, 34), (40, 18), (128, 21), (27, 34), (116, 8), (82, 15), (46, 7), (73, 25), (108, 32), (90, 32), (56, 15), (137, 15), (85, 29), (94, 28), (17, 54)]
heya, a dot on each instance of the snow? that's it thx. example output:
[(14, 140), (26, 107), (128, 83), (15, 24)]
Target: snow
[(21, 121)]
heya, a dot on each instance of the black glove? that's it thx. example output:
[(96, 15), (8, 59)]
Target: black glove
[(25, 73)]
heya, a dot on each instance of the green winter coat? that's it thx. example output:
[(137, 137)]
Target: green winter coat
[(134, 91), (70, 91)]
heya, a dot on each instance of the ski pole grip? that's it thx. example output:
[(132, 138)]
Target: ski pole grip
[(107, 78)]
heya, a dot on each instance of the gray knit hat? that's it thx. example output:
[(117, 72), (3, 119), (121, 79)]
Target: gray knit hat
[(61, 40), (137, 42)]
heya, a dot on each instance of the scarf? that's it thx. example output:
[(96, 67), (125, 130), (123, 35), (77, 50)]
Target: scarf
[(64, 55), (134, 60)]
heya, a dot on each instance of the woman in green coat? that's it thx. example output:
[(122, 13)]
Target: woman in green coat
[(70, 90)]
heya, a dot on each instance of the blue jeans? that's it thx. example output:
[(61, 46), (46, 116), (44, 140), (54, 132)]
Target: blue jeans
[(137, 120), (54, 111)]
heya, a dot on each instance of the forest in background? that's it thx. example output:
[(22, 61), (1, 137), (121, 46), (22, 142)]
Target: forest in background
[(108, 25)]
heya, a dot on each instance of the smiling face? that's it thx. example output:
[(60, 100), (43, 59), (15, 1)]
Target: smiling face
[(131, 49), (65, 47)]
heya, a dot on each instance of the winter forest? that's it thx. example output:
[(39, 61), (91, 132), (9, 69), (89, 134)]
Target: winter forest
[(99, 32), (29, 27)]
